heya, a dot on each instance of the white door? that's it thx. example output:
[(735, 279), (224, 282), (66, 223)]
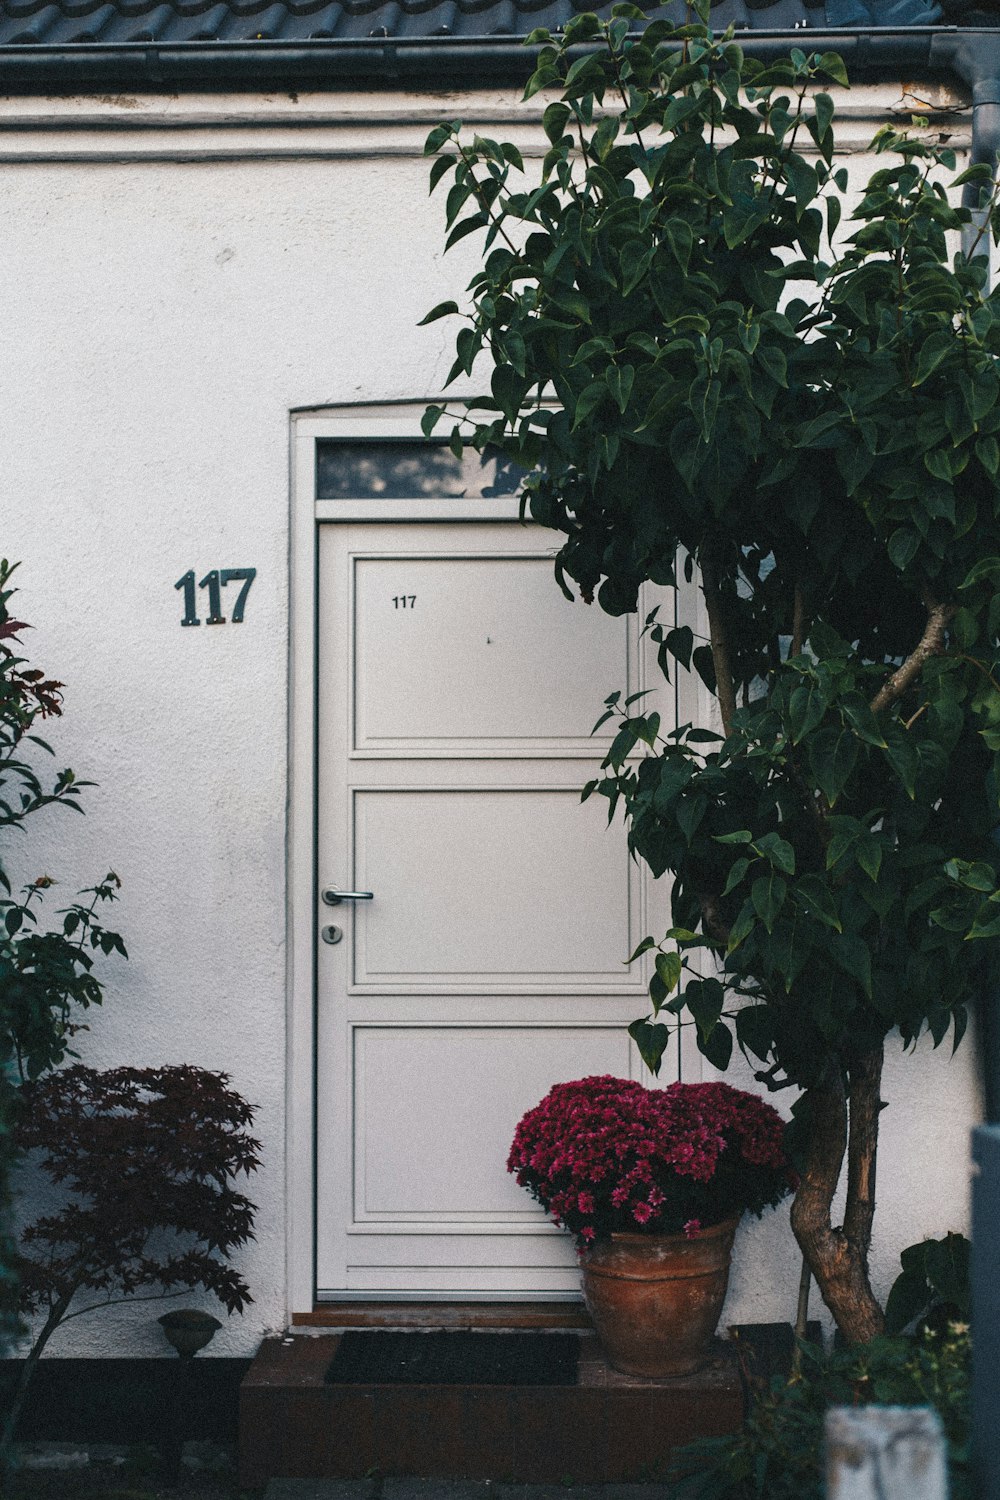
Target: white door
[(457, 691)]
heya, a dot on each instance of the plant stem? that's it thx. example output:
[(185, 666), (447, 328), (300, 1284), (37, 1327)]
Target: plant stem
[(801, 1315), (798, 622), (719, 641)]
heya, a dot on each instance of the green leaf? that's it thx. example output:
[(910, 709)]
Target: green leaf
[(832, 64), (554, 120), (620, 380), (689, 812), (439, 135), (443, 165), (833, 754), (846, 834), (902, 755), (806, 708), (947, 1263), (985, 925), (813, 892), (466, 227), (777, 851), (974, 876), (933, 351), (742, 927), (680, 238), (704, 999), (850, 953), (651, 1041), (509, 390), (588, 401), (909, 1297), (643, 947), (741, 836), (986, 569), (868, 853), (861, 719), (668, 967), (680, 643), (774, 362), (902, 547), (717, 1047), (768, 896), (988, 453), (736, 873), (755, 1030), (823, 106)]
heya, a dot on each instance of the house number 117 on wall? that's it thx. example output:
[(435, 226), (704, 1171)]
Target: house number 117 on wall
[(215, 581)]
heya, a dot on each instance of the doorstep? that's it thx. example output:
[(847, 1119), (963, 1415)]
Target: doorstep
[(450, 1489), (444, 1315), (607, 1427)]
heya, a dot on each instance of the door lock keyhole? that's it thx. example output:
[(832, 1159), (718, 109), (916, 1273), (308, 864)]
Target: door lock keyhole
[(331, 934)]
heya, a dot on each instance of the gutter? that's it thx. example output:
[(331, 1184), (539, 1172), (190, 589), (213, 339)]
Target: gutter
[(439, 61)]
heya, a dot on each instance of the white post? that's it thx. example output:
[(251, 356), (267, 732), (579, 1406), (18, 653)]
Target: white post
[(885, 1453)]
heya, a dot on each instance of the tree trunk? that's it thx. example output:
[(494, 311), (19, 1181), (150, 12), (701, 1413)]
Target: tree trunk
[(55, 1317), (842, 1124)]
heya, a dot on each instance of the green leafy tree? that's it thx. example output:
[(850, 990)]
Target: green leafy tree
[(703, 371), (46, 972)]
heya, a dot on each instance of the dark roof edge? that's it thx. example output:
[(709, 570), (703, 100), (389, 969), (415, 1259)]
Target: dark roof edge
[(438, 62)]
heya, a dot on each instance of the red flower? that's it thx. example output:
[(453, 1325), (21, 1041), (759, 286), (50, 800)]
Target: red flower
[(665, 1159)]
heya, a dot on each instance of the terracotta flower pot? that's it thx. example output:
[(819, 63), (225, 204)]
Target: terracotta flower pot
[(655, 1299)]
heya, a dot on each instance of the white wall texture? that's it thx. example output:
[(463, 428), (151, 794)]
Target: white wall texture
[(169, 297)]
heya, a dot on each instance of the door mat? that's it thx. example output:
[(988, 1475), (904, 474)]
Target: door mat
[(376, 1357)]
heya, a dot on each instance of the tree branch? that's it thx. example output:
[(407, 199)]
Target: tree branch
[(27, 1371), (125, 1302), (798, 622), (862, 1149), (713, 922), (931, 644), (719, 643)]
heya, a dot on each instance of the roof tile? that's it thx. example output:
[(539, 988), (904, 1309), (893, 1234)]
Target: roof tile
[(60, 22)]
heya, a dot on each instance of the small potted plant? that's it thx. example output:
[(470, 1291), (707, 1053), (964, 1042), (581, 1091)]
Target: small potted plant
[(652, 1182)]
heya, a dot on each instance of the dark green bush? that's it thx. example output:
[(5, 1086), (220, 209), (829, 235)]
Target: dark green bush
[(778, 1455)]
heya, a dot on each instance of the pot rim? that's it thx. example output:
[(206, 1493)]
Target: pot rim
[(710, 1231)]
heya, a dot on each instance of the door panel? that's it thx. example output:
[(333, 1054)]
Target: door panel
[(498, 924), (434, 1158), (507, 651), (457, 689)]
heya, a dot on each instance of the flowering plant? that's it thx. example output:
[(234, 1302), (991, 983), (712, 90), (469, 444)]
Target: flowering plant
[(606, 1155)]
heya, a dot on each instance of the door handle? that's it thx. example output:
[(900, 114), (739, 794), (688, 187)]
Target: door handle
[(334, 898)]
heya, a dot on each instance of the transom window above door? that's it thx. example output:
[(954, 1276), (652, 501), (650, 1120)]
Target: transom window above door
[(410, 468)]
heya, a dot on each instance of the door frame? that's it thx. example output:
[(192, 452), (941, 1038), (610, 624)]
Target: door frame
[(359, 421)]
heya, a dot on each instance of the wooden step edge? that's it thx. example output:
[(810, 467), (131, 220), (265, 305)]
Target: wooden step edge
[(444, 1315)]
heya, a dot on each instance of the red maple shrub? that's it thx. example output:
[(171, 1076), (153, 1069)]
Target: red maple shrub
[(144, 1161), (145, 1157), (605, 1155)]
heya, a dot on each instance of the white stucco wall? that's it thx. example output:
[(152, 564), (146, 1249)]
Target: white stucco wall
[(160, 319)]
